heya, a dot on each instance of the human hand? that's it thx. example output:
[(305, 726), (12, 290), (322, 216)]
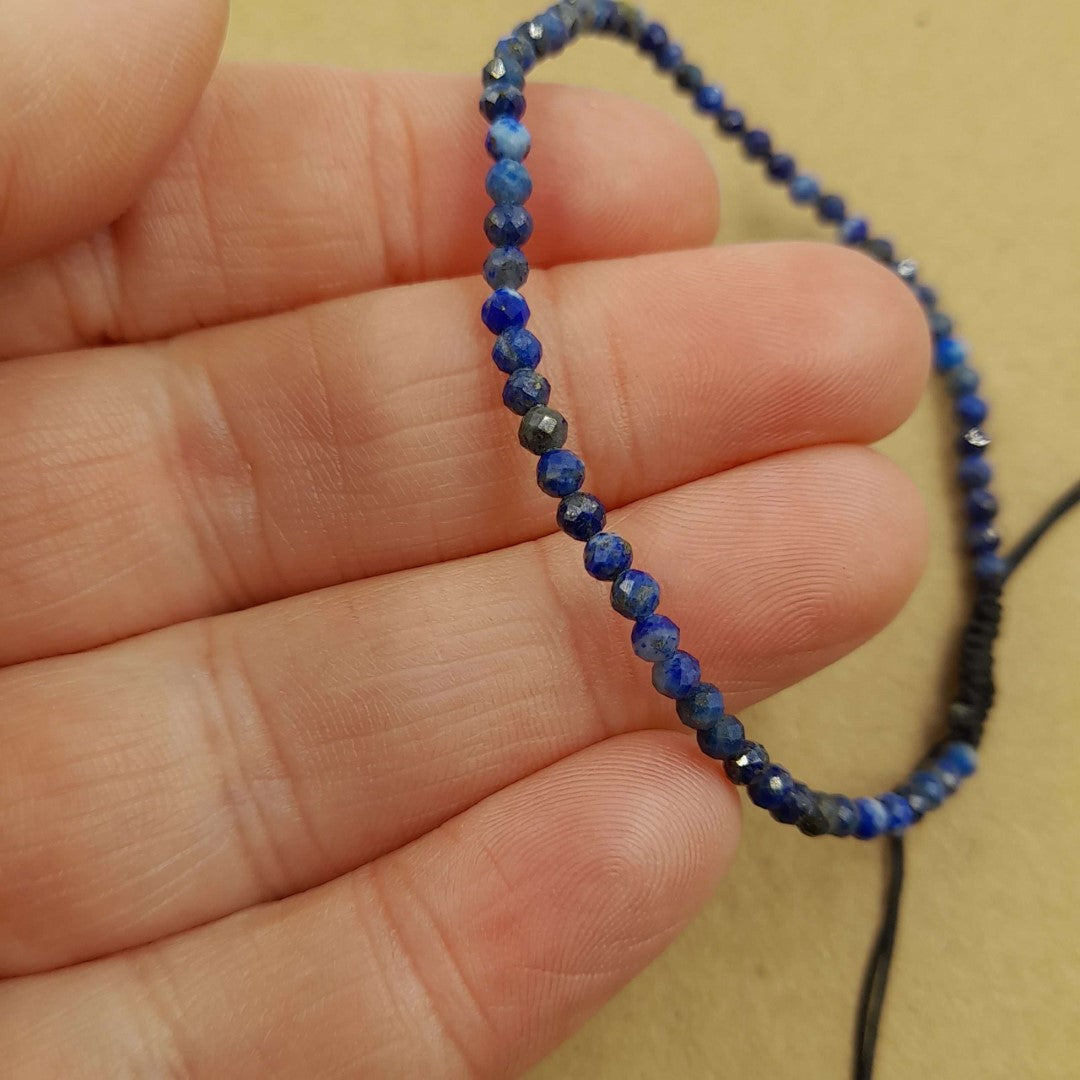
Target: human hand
[(320, 755)]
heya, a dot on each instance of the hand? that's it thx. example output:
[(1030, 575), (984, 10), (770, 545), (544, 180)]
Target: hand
[(320, 755)]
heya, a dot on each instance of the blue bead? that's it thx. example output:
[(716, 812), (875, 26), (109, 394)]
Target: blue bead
[(502, 99), (941, 326), (950, 780), (559, 472), (503, 309), (676, 676), (949, 353), (668, 56), (508, 226), (607, 556), (901, 816), (796, 804), (770, 787), (959, 757), (843, 816), (653, 37), (804, 189), (880, 248), (925, 791), (831, 208), (780, 167), (751, 760), (701, 709), (989, 567), (548, 34), (508, 138), (854, 230), (962, 380), (635, 594), (974, 472), (709, 99), (516, 348), (871, 819), (723, 739), (525, 389), (508, 182), (731, 121), (504, 69), (970, 409), (506, 268), (980, 505), (757, 143), (654, 638), (982, 539), (580, 515), (518, 49), (927, 296)]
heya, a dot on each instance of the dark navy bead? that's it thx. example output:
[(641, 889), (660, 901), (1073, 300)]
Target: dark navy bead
[(516, 348), (831, 208), (840, 814), (769, 788), (815, 822), (559, 472), (989, 567), (517, 48), (751, 760), (504, 68), (927, 296), (502, 99), (982, 539), (524, 390), (635, 594), (925, 791), (722, 740), (780, 167), (701, 709), (981, 505), (879, 248), (676, 676), (797, 803), (508, 182), (508, 226), (757, 143), (731, 121), (653, 37), (871, 819), (804, 189), (654, 638), (669, 56), (940, 324), (607, 556), (899, 810), (508, 138), (504, 309), (542, 429), (854, 230), (949, 353), (689, 77), (580, 515), (709, 99), (962, 380), (970, 409), (506, 268), (959, 757), (974, 472), (974, 441)]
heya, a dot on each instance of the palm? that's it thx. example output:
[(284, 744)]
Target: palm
[(317, 748)]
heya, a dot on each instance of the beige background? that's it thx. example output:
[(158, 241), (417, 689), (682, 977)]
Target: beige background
[(955, 123)]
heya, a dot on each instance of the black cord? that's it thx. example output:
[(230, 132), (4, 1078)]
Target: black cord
[(967, 716)]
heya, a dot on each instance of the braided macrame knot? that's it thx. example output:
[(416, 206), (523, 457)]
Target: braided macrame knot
[(975, 689)]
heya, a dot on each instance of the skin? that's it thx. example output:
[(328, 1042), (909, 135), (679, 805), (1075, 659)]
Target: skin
[(320, 755)]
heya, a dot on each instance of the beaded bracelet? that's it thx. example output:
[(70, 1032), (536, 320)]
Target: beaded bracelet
[(560, 473)]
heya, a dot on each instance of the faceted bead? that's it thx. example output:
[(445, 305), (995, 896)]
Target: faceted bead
[(524, 390), (962, 758), (949, 352), (508, 226), (508, 138), (769, 788), (542, 429), (840, 814), (804, 189), (517, 48), (950, 780), (709, 99), (871, 819), (907, 270), (605, 12), (504, 68), (974, 472), (880, 248), (723, 739), (559, 472), (899, 810), (925, 792), (635, 594), (732, 121), (797, 803), (854, 230), (981, 505), (508, 182), (940, 324), (757, 143), (547, 34), (506, 268), (654, 638), (669, 56), (571, 17), (973, 441), (580, 515), (653, 37), (831, 208), (927, 296), (516, 348), (815, 822), (989, 567), (780, 167), (607, 556), (970, 409), (701, 709), (689, 77), (503, 310), (676, 676), (982, 539), (627, 22), (962, 380), (751, 760), (502, 99)]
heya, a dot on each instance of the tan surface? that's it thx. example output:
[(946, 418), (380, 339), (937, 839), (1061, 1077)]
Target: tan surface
[(955, 123)]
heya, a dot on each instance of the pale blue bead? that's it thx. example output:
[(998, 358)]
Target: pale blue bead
[(804, 189), (509, 139)]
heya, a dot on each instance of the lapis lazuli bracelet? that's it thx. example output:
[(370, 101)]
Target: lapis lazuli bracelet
[(560, 473)]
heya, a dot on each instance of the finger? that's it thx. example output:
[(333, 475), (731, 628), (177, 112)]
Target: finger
[(171, 779), (296, 184), (93, 96), (353, 439)]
